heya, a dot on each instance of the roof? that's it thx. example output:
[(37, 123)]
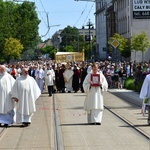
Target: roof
[(66, 53)]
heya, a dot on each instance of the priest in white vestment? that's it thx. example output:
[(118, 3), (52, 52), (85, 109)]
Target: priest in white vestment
[(49, 77), (68, 76), (94, 104), (25, 92), (39, 77), (6, 102), (145, 95)]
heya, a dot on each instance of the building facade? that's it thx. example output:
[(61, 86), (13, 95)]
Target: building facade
[(125, 17), (102, 29)]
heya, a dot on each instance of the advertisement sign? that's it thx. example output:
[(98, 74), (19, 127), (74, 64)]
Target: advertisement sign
[(141, 9)]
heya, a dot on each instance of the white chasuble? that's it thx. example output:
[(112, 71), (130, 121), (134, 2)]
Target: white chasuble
[(27, 92), (6, 83)]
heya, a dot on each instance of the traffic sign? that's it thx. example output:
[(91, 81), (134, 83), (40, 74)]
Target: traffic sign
[(115, 43)]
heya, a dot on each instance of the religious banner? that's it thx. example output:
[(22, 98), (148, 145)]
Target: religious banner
[(69, 57)]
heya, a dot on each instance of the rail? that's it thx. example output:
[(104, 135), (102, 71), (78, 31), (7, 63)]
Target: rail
[(59, 140)]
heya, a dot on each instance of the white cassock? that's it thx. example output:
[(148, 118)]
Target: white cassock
[(39, 77), (145, 92), (68, 76), (49, 79), (93, 103), (6, 102), (27, 92)]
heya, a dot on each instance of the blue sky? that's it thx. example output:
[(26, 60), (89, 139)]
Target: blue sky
[(63, 13)]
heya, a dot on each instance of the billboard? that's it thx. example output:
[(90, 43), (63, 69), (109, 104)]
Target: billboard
[(141, 9)]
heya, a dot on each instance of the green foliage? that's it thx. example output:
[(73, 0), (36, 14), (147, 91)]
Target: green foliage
[(12, 48), (73, 42), (140, 42), (69, 36), (129, 84), (29, 54), (68, 48), (19, 21), (125, 48), (52, 54), (49, 50)]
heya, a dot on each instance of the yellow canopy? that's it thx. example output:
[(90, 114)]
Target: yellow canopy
[(69, 56)]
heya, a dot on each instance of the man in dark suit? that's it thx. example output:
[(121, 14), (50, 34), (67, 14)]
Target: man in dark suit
[(31, 71)]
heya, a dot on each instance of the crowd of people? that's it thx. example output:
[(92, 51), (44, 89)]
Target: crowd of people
[(66, 77)]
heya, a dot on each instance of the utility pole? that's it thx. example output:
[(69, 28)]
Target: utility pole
[(90, 26)]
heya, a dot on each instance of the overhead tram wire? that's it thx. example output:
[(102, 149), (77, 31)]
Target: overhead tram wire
[(81, 14), (42, 6), (47, 24), (87, 15), (39, 12)]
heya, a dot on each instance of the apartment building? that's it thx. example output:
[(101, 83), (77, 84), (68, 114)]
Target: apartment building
[(126, 17), (102, 29)]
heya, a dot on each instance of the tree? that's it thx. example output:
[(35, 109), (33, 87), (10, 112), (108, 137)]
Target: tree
[(12, 49), (140, 42), (125, 47), (27, 24), (49, 50), (19, 21), (68, 48), (70, 37), (72, 41)]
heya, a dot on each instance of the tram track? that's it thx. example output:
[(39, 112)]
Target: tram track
[(59, 141), (141, 132), (2, 131), (134, 102)]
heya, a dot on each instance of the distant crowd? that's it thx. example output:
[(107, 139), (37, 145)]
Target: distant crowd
[(69, 76)]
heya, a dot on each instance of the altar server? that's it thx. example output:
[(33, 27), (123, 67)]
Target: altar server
[(94, 104)]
